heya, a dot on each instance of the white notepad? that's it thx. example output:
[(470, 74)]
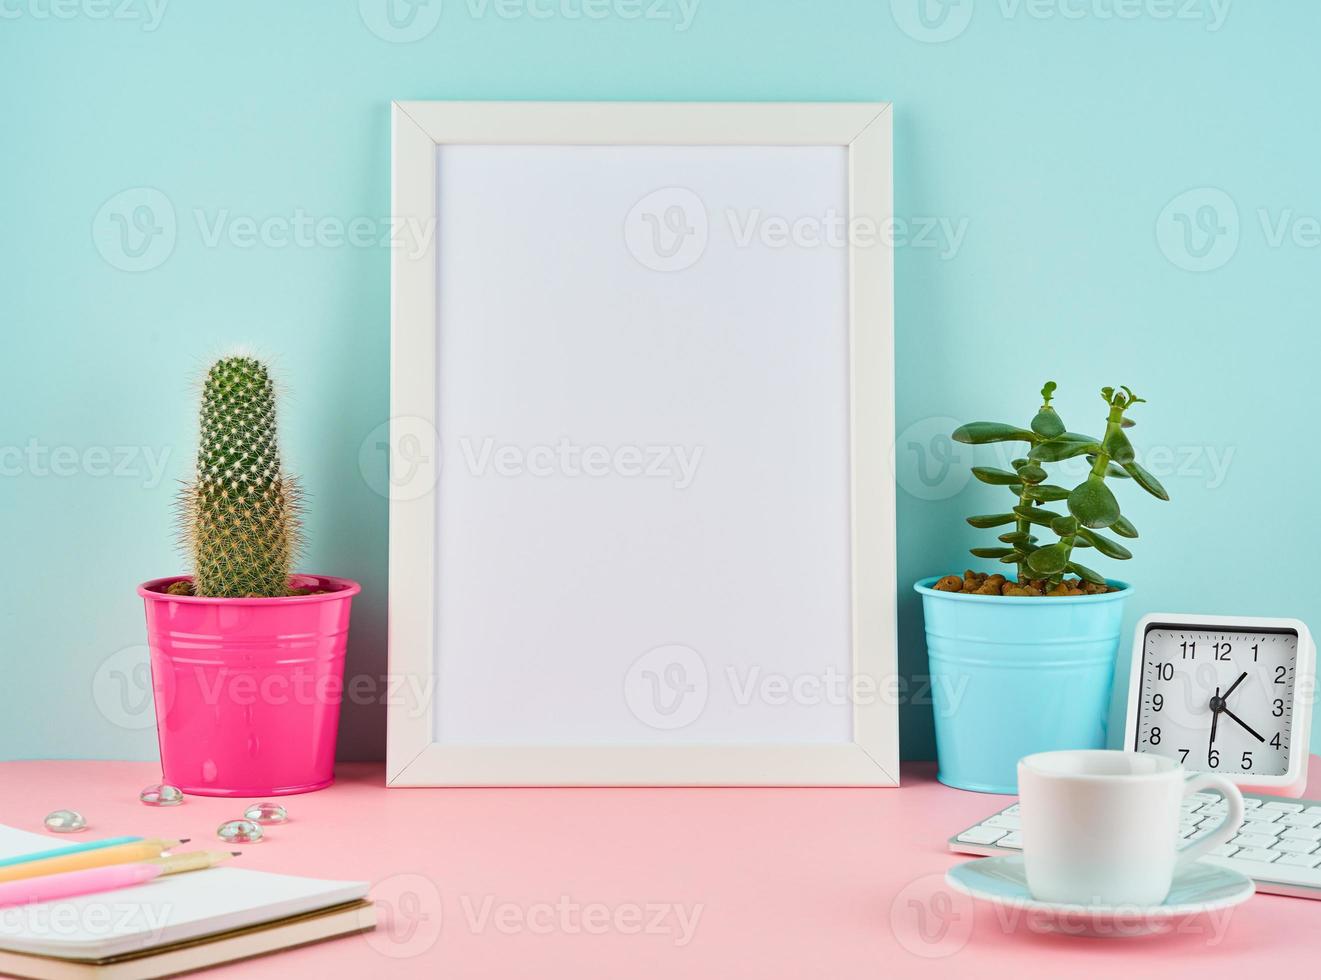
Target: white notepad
[(168, 910)]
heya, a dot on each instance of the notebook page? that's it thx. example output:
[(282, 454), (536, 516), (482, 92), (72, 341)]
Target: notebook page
[(166, 910)]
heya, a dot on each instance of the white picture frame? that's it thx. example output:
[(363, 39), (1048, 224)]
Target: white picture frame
[(866, 753)]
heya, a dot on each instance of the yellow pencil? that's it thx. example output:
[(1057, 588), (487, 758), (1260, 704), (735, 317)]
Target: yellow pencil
[(191, 861), (138, 851)]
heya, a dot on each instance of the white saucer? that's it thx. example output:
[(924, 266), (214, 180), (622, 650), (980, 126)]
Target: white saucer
[(1199, 888)]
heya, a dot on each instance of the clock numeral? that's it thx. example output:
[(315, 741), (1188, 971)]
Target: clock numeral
[(1247, 760), (1275, 742), (1213, 758), (1222, 651), (1279, 708), (1254, 653), (1280, 674), (1157, 702), (1154, 737), (1165, 671), (1183, 755), (1189, 650)]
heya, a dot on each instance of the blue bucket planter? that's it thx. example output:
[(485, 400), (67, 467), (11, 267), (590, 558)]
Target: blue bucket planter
[(1012, 676)]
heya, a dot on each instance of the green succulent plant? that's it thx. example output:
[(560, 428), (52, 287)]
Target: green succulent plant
[(239, 515), (1091, 505)]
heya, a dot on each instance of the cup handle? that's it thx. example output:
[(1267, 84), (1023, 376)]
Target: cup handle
[(1228, 827)]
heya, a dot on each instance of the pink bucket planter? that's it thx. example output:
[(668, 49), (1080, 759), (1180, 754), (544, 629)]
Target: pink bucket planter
[(248, 691)]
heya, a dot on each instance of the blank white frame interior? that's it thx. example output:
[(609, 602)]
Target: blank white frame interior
[(652, 345)]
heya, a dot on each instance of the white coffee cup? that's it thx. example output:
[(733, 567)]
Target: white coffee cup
[(1102, 828)]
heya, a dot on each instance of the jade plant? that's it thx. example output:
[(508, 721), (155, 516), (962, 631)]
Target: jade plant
[(239, 515), (1043, 565)]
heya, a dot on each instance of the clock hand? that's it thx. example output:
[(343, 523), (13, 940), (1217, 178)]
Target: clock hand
[(1225, 696), (1245, 725), (1216, 706)]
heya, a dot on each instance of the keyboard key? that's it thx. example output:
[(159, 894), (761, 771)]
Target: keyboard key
[(1010, 811), (1224, 850), (1204, 797), (982, 835), (1263, 871), (1283, 807), (1008, 821), (1259, 827), (1310, 809), (1253, 840), (1262, 816), (1013, 839), (1294, 846), (1252, 802), (1260, 855), (1300, 820), (1301, 833), (1299, 860)]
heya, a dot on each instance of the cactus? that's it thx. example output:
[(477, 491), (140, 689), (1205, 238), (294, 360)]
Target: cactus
[(240, 514)]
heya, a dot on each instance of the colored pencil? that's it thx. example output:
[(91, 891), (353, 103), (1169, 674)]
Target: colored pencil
[(70, 884), (99, 857), (90, 845)]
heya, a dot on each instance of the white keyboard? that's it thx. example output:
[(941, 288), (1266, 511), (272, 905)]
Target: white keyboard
[(1278, 846)]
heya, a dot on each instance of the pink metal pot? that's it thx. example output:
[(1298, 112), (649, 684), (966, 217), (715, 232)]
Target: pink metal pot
[(248, 691)]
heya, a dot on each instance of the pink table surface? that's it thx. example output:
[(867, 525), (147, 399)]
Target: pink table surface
[(640, 883)]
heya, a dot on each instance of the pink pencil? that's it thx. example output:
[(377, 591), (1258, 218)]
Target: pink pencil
[(68, 884)]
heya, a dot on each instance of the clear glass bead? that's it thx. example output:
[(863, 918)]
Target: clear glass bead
[(65, 821), (267, 813), (161, 794), (239, 832)]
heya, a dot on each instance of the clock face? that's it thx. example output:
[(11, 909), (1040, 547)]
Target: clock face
[(1218, 700)]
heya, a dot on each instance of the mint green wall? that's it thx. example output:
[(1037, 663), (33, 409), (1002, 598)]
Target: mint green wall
[(1042, 140)]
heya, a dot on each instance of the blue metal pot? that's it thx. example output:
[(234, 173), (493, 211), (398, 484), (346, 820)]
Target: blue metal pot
[(1012, 676)]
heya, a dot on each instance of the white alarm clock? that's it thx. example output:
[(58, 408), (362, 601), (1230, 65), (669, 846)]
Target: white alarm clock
[(1225, 694)]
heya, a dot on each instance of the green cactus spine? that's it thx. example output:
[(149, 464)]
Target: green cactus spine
[(240, 514)]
